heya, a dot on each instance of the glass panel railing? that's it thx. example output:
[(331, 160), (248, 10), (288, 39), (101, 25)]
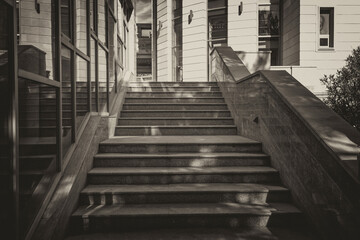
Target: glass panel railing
[(67, 114), (38, 146), (6, 162), (102, 68), (81, 90)]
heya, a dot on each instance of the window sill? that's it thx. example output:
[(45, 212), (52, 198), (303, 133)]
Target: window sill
[(325, 50)]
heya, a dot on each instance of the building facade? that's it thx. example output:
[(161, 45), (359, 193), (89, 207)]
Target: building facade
[(306, 38), (60, 63)]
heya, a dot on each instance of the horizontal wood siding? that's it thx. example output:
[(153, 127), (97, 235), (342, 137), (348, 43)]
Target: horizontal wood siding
[(291, 32), (162, 44), (346, 34), (243, 29)]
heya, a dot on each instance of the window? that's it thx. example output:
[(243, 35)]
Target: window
[(269, 30), (326, 28), (217, 17)]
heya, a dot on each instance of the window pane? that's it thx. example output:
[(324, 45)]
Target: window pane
[(217, 4), (66, 99), (65, 18), (36, 43), (102, 66), (324, 22), (269, 20), (6, 188), (218, 27), (92, 15), (81, 28), (93, 76), (38, 146), (101, 21), (81, 90)]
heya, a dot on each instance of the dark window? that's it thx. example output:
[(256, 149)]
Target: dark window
[(326, 30), (269, 30), (217, 17)]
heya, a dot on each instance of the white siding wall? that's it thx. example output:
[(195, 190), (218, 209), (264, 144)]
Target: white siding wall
[(195, 41), (291, 32), (347, 33), (162, 57), (243, 29)]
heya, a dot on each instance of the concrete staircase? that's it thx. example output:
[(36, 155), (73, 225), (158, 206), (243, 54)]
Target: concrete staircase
[(177, 169)]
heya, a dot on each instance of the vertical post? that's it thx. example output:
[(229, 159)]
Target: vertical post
[(170, 29), (13, 117), (358, 160), (58, 78), (154, 40)]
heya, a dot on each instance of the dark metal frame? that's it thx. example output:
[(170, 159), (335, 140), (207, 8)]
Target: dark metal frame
[(59, 41)]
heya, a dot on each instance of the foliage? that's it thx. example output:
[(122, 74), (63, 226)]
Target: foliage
[(344, 89)]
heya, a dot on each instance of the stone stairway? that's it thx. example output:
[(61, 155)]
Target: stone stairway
[(177, 169)]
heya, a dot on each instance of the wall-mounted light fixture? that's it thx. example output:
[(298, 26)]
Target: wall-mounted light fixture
[(240, 8), (191, 15), (37, 6), (160, 27)]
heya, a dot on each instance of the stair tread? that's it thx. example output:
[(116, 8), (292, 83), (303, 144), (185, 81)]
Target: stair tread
[(176, 126), (184, 209), (180, 170), (177, 188), (182, 155), (175, 118), (197, 139), (175, 104), (189, 97), (255, 233), (169, 110)]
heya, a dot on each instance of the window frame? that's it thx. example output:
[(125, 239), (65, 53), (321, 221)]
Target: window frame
[(332, 26)]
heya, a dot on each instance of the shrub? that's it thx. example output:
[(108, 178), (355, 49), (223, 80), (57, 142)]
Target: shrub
[(344, 89)]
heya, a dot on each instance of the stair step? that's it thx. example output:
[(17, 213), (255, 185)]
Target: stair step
[(180, 160), (176, 144), (173, 89), (174, 100), (185, 121), (183, 193), (125, 217), (174, 84), (175, 130), (174, 175), (174, 113), (175, 106), (174, 94), (248, 233)]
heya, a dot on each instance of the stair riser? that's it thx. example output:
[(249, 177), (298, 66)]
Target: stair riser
[(173, 94), (172, 84), (174, 107), (159, 131), (173, 89), (175, 114), (37, 132), (181, 122), (183, 178), (126, 223), (180, 162), (174, 100), (174, 148), (35, 164), (36, 149), (116, 224), (43, 122), (180, 197)]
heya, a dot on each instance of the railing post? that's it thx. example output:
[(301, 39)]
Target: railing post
[(358, 160)]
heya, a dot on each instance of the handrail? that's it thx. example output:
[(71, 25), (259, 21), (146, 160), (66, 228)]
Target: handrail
[(315, 150)]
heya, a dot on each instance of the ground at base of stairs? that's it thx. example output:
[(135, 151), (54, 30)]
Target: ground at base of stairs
[(205, 234)]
